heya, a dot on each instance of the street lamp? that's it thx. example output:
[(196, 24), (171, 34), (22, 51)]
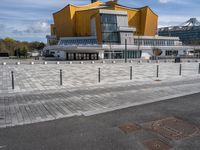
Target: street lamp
[(125, 53)]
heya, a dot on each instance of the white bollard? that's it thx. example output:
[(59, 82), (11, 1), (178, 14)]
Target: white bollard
[(92, 62), (81, 62), (131, 61), (57, 62), (113, 62), (70, 62), (32, 63), (4, 63), (45, 63), (17, 63)]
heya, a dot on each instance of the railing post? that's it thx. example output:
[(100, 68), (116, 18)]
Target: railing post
[(13, 82), (180, 70), (99, 75), (199, 68), (60, 76), (157, 75), (131, 72)]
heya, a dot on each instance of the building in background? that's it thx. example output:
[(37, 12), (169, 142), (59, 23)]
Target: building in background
[(101, 31), (188, 32)]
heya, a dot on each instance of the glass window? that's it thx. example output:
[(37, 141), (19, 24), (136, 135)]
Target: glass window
[(110, 37), (109, 28), (108, 18)]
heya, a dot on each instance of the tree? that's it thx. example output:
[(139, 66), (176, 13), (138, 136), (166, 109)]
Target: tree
[(41, 46), (36, 45), (17, 48), (24, 51), (10, 45), (2, 47)]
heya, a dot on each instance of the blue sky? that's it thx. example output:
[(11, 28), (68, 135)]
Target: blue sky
[(28, 20)]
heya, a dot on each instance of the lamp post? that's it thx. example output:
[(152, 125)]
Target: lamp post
[(125, 53), (137, 55)]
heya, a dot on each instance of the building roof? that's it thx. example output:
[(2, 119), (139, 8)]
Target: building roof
[(100, 5), (84, 7), (192, 23)]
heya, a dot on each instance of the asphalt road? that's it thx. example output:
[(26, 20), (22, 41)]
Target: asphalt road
[(101, 132)]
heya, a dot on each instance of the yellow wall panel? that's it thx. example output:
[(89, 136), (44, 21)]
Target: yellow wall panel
[(151, 23), (83, 22), (75, 20), (65, 19), (53, 29)]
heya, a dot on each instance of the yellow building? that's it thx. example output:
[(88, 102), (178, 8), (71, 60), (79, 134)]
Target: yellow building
[(91, 20), (106, 31)]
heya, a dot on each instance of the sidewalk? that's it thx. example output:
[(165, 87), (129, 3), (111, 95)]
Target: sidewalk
[(20, 109)]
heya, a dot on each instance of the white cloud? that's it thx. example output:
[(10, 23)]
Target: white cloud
[(35, 27), (165, 1), (39, 27), (181, 2)]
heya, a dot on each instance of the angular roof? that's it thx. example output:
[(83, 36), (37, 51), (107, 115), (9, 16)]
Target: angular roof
[(191, 22)]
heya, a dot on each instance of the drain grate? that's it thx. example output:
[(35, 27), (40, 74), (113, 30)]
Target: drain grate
[(173, 128), (156, 144), (128, 128)]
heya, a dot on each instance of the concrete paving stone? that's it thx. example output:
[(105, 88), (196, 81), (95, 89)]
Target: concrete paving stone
[(39, 97), (28, 78)]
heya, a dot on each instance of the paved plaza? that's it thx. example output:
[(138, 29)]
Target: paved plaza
[(40, 77), (38, 95)]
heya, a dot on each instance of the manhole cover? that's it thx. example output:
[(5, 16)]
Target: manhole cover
[(128, 128), (156, 144), (173, 128)]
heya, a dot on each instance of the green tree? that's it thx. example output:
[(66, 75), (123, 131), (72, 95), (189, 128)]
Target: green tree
[(24, 51), (36, 45), (2, 47), (10, 45)]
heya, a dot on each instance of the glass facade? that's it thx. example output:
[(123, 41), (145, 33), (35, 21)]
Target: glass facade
[(82, 56), (78, 41), (154, 42), (171, 53), (109, 28), (121, 54), (188, 35)]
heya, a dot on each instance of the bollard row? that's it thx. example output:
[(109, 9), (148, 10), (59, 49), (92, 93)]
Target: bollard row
[(99, 74)]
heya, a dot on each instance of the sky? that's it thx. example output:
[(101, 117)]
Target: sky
[(29, 20)]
